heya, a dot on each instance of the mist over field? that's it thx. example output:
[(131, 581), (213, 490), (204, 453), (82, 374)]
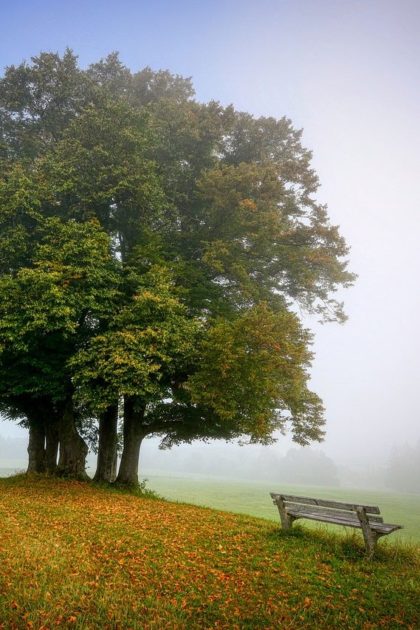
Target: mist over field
[(398, 470)]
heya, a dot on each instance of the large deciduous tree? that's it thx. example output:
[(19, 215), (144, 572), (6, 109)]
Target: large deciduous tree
[(154, 251)]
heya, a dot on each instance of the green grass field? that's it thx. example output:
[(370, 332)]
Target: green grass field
[(253, 498), (74, 555)]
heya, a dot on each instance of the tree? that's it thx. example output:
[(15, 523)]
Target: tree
[(191, 233), (47, 312), (37, 101), (307, 467)]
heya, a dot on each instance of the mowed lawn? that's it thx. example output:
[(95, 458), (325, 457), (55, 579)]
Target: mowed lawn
[(253, 498), (77, 556)]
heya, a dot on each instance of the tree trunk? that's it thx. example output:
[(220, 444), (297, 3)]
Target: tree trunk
[(114, 466), (51, 444), (134, 433), (107, 449), (73, 450), (36, 446)]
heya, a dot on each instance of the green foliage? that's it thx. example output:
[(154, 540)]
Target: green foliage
[(252, 373), (37, 101), (100, 169), (262, 243), (149, 340), (20, 215), (49, 308)]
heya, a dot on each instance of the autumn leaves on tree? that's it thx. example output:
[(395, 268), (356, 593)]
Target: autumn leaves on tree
[(153, 250)]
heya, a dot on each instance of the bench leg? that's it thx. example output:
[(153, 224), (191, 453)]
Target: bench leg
[(370, 543), (286, 520), (370, 537)]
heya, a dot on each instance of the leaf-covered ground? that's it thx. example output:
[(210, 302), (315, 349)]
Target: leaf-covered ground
[(77, 556)]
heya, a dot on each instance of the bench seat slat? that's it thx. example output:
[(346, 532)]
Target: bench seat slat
[(381, 528), (385, 528), (372, 509), (296, 507)]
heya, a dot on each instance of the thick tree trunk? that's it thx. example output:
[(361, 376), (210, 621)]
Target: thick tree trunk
[(36, 446), (42, 419), (107, 449), (51, 444), (133, 436), (73, 450)]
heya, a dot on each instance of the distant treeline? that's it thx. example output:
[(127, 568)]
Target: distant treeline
[(403, 472), (298, 466)]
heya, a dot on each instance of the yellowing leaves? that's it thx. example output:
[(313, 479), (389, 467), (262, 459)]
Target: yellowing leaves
[(248, 204)]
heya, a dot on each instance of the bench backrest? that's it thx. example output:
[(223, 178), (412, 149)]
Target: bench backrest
[(326, 507)]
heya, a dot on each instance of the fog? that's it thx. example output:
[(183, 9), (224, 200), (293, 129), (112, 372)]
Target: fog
[(348, 74), (277, 465)]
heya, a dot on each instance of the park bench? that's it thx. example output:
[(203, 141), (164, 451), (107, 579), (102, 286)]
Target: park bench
[(365, 517)]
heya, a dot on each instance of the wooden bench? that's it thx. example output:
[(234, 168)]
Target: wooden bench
[(364, 517)]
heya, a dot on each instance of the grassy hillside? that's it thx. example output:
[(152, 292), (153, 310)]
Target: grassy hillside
[(253, 498), (77, 556)]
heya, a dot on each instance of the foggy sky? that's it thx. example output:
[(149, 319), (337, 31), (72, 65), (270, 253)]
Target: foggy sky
[(348, 73)]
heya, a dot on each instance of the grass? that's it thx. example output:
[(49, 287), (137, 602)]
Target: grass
[(78, 556), (252, 498)]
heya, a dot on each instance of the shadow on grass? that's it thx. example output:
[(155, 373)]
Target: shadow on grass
[(139, 490), (348, 546)]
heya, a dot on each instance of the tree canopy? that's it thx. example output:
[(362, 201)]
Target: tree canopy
[(155, 252)]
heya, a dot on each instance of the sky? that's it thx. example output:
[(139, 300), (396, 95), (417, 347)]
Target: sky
[(347, 73)]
